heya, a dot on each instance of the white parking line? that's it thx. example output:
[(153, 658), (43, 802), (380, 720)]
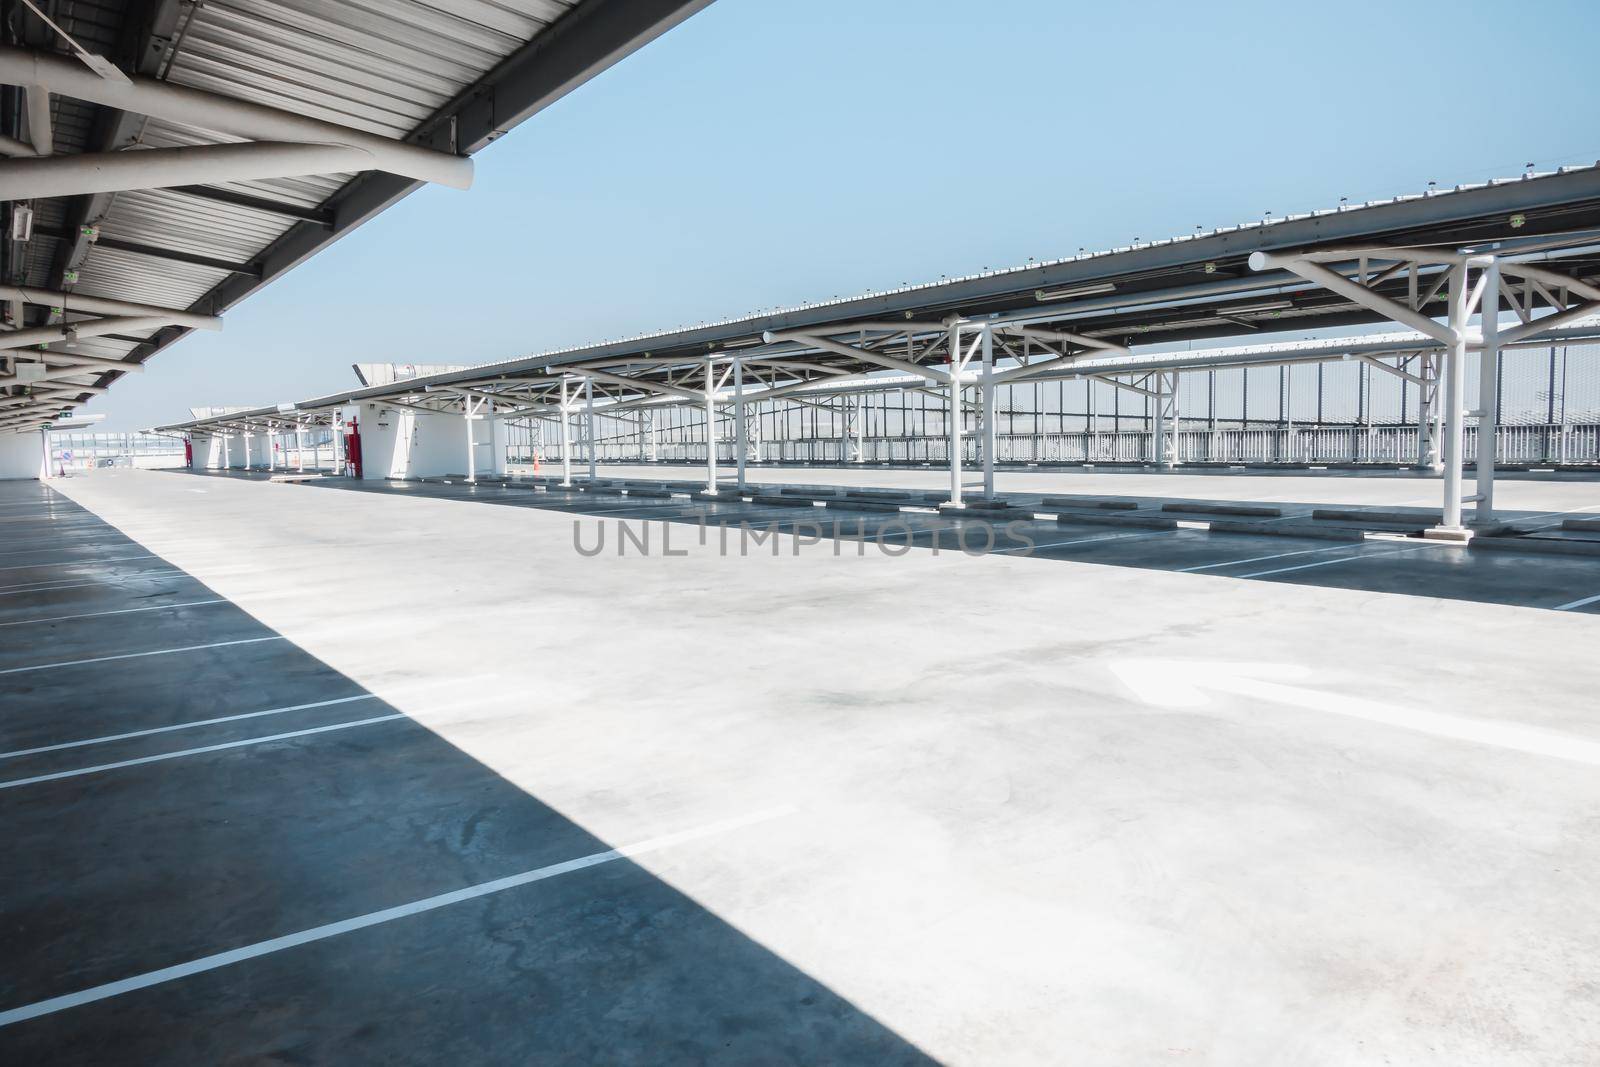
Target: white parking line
[(361, 922), (1579, 603), (57, 544), (1077, 541), (50, 587), (137, 655), (1329, 562), (73, 563), (185, 726), (120, 611), (36, 779), (1261, 559)]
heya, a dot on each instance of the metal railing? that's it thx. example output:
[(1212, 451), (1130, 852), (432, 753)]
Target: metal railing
[(1379, 445)]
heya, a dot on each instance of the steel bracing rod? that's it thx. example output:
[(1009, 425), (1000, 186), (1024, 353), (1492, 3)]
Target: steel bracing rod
[(644, 385), (159, 168), (58, 374), (1532, 275), (1535, 327), (225, 115), (99, 305), (390, 403), (1335, 282), (1032, 371), (1373, 361), (887, 362), (445, 390), (66, 331), (62, 360), (1129, 386)]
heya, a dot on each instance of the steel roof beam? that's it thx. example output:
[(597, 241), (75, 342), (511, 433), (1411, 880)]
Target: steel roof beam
[(117, 244), (317, 216), (587, 40), (158, 168), (226, 115), (66, 331), (100, 305)]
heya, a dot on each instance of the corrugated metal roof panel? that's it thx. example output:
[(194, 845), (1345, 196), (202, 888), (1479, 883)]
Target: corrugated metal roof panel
[(389, 67)]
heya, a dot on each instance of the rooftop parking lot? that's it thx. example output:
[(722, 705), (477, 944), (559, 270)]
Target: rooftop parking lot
[(342, 770)]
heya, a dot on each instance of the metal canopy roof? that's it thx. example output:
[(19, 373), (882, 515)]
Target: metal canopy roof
[(1190, 287), (449, 76)]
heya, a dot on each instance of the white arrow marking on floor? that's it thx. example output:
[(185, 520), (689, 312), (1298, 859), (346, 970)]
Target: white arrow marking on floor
[(1176, 684)]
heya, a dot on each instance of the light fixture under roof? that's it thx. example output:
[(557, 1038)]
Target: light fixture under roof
[(1075, 290), (1246, 309)]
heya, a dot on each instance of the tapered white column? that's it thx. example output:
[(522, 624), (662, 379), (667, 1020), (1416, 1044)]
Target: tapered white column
[(711, 427), (1488, 392), (1454, 381), (566, 434), (861, 428), (472, 450), (1428, 372), (987, 393), (955, 415), (588, 422), (738, 420)]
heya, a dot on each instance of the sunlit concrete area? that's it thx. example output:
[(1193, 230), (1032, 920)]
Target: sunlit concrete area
[(531, 622), (408, 765)]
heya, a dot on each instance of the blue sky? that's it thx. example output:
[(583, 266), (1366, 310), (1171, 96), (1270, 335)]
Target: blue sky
[(771, 152)]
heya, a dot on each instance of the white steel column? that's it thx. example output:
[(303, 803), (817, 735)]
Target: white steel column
[(861, 428), (1159, 428), (954, 415), (1091, 450), (1488, 392), (1166, 399), (711, 428), (1427, 442), (472, 447), (986, 392), (247, 450), (1454, 379), (566, 434), (272, 449), (738, 420), (588, 422), (299, 447), (227, 454)]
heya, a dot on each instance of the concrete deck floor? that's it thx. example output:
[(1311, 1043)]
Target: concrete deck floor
[(978, 810)]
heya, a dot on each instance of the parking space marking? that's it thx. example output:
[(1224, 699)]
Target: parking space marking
[(1586, 601), (186, 726), (74, 563), (38, 778), (138, 655), (50, 587), (119, 611), (1330, 562), (1261, 559), (1063, 544), (375, 918), (62, 546)]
